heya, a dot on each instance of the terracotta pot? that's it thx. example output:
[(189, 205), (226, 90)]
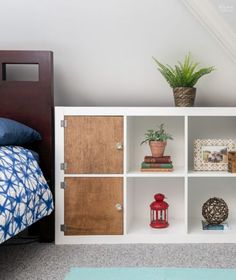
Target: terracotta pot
[(157, 148), (184, 96)]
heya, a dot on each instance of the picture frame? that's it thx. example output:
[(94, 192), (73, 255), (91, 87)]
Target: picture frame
[(212, 154)]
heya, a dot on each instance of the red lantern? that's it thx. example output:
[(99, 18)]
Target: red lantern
[(159, 212)]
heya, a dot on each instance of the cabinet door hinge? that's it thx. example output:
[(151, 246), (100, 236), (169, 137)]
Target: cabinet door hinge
[(63, 185), (64, 123), (63, 166), (63, 228)]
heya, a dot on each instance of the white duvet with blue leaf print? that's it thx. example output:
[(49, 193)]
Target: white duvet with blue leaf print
[(24, 194)]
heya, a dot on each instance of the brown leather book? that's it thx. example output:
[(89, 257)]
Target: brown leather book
[(164, 159)]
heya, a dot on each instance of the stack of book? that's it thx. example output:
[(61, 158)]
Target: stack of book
[(222, 226), (157, 164)]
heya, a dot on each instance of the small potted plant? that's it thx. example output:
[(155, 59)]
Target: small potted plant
[(182, 79), (157, 140)]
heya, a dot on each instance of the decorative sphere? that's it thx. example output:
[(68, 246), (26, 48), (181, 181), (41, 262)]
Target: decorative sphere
[(215, 210)]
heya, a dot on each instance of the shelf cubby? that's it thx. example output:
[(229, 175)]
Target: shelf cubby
[(140, 193), (137, 127), (209, 127), (199, 191)]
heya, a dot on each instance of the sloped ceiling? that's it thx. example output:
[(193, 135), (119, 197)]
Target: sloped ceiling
[(219, 18)]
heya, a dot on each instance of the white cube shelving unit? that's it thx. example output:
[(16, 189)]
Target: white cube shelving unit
[(185, 189)]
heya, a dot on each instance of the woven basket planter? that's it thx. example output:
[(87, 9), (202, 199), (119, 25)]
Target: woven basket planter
[(184, 97)]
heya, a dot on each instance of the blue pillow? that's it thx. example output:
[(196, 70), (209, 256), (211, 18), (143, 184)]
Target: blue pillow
[(15, 133)]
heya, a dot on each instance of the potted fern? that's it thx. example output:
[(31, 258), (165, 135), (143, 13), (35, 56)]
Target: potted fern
[(182, 79), (157, 140)]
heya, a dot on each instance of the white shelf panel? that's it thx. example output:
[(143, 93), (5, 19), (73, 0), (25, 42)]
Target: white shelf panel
[(177, 172), (193, 173), (146, 111), (142, 227)]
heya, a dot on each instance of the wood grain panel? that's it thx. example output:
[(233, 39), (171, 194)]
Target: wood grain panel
[(90, 145), (90, 206)]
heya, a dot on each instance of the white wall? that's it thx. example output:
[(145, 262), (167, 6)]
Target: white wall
[(103, 49)]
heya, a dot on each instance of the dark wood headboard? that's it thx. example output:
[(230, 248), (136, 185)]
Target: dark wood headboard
[(31, 103)]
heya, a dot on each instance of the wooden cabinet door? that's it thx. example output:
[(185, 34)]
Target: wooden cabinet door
[(94, 145), (92, 206)]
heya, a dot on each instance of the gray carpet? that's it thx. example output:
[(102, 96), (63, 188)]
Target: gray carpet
[(47, 261)]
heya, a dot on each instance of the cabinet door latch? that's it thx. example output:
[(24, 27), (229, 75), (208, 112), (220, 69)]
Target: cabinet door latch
[(119, 146)]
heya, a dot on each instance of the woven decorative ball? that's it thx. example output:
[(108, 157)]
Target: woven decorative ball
[(215, 210)]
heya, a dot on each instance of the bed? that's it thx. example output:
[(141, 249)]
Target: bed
[(30, 102)]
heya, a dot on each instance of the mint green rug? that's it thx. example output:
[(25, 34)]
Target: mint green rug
[(151, 274)]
